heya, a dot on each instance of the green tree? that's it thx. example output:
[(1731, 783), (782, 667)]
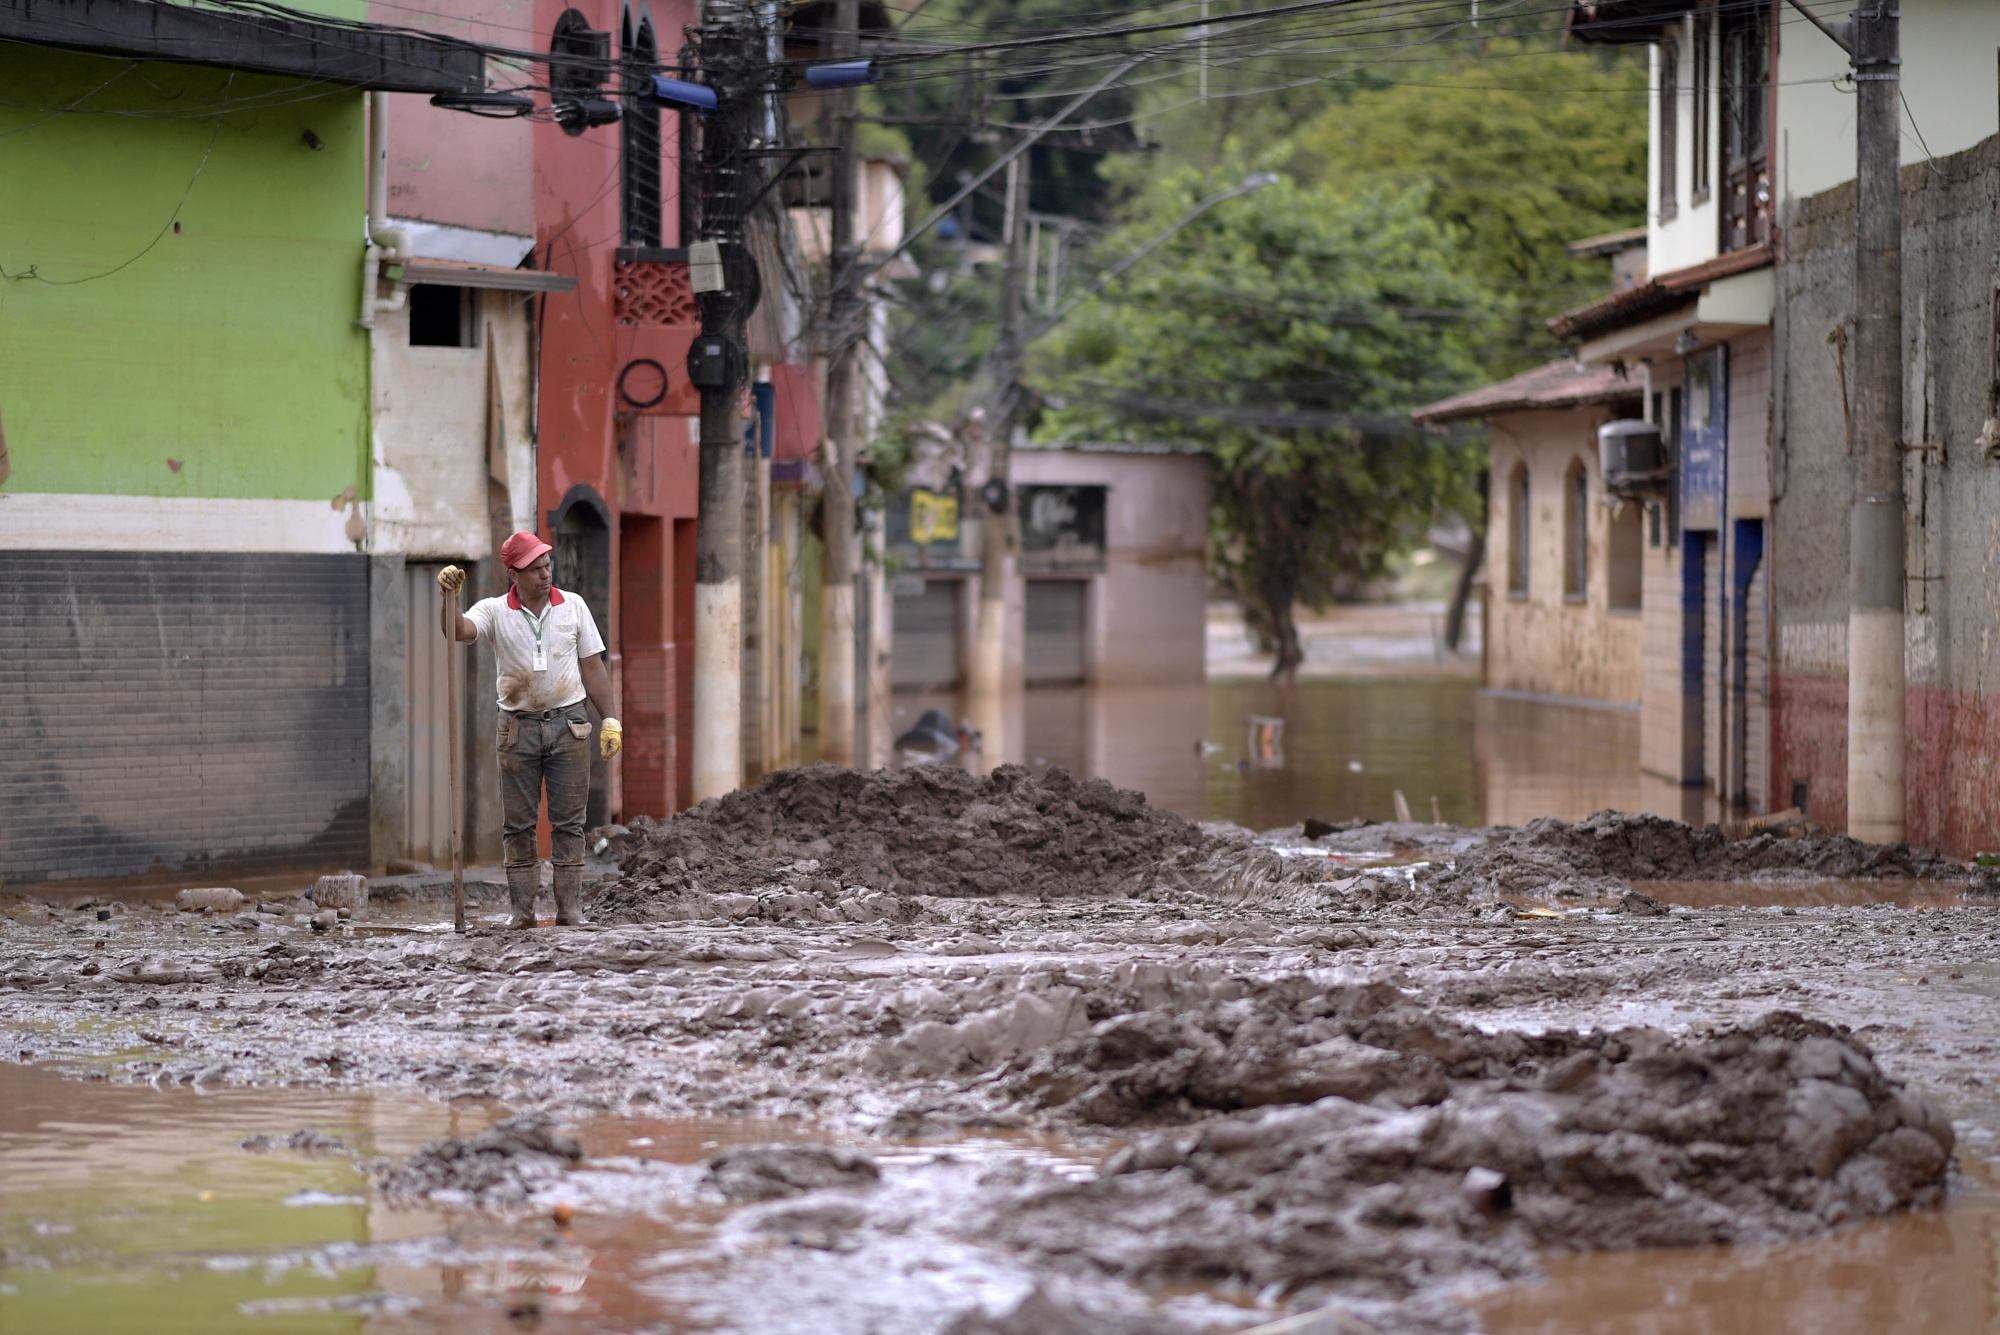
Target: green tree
[(1519, 149), (1286, 334)]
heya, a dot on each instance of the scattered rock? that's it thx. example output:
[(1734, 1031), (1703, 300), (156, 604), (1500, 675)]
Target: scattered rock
[(767, 1172), (1041, 1313), (218, 899), (406, 867), (343, 890), (305, 1141)]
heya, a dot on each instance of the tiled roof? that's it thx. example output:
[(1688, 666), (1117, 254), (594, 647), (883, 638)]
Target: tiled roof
[(1664, 293), (1560, 384)]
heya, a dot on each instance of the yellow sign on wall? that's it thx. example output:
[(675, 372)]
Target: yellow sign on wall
[(933, 517)]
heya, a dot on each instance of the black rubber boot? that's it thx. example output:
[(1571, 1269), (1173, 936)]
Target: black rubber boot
[(521, 886), (569, 896)]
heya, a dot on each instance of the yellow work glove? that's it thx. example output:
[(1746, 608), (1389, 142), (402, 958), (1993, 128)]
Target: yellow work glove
[(450, 580), (610, 737)]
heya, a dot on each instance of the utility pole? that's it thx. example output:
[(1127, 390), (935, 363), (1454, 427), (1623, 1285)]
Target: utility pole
[(987, 678), (727, 286), (1875, 684), (843, 444)]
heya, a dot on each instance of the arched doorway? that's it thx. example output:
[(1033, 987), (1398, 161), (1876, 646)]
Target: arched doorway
[(582, 527)]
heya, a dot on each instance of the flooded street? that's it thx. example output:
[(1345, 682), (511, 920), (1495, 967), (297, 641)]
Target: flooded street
[(1344, 750), (1928, 1273), (1023, 1059)]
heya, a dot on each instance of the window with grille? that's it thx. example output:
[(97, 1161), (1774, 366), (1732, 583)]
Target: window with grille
[(1746, 158), (640, 137)]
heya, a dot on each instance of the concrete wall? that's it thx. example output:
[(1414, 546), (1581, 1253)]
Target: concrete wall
[(1949, 88), (1690, 235), (432, 413), (1544, 641), (1949, 85), (1953, 554), (1147, 613), (450, 167)]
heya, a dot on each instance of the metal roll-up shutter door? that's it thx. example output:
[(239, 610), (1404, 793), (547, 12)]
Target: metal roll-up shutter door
[(182, 711), (1055, 617), (427, 720), (926, 637)]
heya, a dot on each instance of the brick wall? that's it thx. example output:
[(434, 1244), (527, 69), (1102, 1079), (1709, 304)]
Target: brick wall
[(186, 712)]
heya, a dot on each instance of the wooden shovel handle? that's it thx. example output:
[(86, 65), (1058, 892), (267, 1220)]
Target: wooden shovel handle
[(451, 708)]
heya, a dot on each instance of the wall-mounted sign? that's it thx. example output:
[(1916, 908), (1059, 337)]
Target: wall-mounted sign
[(933, 517), (923, 524)]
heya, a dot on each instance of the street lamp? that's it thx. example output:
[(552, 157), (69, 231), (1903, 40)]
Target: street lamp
[(681, 93), (841, 74)]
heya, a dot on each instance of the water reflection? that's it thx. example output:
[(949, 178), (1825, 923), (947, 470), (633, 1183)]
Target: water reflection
[(1336, 750), (1930, 1272)]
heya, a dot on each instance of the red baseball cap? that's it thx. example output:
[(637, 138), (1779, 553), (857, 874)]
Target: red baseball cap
[(521, 549)]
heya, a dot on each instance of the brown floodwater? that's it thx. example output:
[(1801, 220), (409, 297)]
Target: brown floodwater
[(1931, 1272), (1343, 751), (134, 1208)]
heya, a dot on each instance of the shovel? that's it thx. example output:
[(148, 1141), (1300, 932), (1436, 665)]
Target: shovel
[(451, 615)]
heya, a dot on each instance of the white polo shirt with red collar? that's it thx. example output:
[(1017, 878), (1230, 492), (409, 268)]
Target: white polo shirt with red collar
[(535, 658)]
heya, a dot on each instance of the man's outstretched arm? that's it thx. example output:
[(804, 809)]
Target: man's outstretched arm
[(451, 580)]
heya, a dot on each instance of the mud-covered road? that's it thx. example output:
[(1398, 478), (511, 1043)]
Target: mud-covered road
[(1306, 1077)]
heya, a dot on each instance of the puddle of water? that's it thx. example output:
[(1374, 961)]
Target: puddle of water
[(113, 1197), (1802, 894), (130, 1208), (1929, 1273)]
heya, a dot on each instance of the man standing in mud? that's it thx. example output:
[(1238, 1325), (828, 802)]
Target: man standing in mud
[(548, 658)]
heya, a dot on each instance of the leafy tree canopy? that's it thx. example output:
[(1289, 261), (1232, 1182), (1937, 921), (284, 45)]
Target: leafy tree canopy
[(1286, 334), (1519, 150)]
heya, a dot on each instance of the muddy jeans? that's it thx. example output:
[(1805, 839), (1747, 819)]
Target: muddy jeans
[(535, 751)]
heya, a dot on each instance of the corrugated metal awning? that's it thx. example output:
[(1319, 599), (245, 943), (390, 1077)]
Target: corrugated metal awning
[(449, 274)]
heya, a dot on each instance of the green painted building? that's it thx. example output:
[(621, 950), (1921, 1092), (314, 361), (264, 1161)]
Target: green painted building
[(184, 392)]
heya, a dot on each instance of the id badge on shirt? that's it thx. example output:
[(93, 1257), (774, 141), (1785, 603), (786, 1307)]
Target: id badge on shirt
[(541, 657)]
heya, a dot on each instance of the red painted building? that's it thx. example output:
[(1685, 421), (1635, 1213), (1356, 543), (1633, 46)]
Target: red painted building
[(614, 412)]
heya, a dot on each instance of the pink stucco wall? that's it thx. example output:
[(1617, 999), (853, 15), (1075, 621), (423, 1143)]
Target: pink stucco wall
[(1148, 610), (449, 166)]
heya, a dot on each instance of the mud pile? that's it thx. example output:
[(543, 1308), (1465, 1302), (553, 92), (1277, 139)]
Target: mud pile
[(1447, 1152), (825, 832), (1601, 853), (500, 1166)]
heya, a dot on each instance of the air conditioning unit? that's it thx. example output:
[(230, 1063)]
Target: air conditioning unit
[(1633, 458)]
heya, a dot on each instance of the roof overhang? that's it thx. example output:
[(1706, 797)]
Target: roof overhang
[(1560, 386), (350, 55), (1729, 307), (1660, 297)]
